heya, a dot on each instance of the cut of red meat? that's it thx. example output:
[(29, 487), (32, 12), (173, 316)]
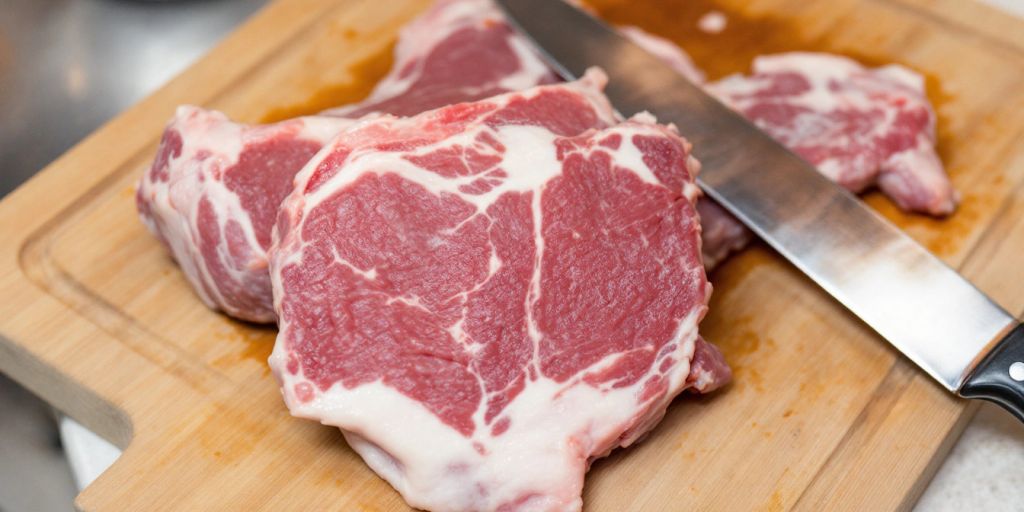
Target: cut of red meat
[(860, 127), (212, 195), (487, 296)]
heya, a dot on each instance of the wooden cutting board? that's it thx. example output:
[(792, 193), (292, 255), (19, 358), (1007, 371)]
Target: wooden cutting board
[(823, 415)]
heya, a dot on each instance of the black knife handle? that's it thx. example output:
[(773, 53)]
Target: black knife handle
[(999, 377)]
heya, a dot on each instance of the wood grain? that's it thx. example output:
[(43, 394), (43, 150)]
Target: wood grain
[(823, 414)]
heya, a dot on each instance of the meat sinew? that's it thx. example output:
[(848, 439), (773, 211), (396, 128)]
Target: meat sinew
[(486, 297)]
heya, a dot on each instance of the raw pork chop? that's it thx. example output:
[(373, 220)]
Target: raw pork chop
[(212, 195), (486, 297), (860, 127)]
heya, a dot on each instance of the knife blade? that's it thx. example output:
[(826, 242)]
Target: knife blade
[(931, 314)]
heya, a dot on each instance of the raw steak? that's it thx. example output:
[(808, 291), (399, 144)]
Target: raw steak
[(488, 296), (215, 186), (860, 127), (212, 195)]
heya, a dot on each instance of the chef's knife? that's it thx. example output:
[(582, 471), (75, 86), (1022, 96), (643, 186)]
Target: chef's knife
[(925, 309)]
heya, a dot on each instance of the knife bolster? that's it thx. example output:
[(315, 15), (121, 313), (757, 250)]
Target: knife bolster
[(999, 377)]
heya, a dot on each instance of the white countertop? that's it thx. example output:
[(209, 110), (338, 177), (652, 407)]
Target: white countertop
[(985, 470)]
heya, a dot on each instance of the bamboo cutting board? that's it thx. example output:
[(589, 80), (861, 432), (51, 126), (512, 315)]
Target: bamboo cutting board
[(823, 415)]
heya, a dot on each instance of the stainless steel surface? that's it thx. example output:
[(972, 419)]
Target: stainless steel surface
[(928, 311), (66, 66)]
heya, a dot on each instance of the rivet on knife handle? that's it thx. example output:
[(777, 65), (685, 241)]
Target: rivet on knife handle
[(999, 377)]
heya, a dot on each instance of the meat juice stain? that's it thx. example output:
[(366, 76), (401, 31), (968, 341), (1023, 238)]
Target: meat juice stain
[(257, 344), (775, 503), (743, 341), (251, 419), (730, 51), (740, 346), (364, 76), (229, 445)]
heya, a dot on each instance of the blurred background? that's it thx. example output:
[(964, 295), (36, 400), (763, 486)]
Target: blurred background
[(67, 66)]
